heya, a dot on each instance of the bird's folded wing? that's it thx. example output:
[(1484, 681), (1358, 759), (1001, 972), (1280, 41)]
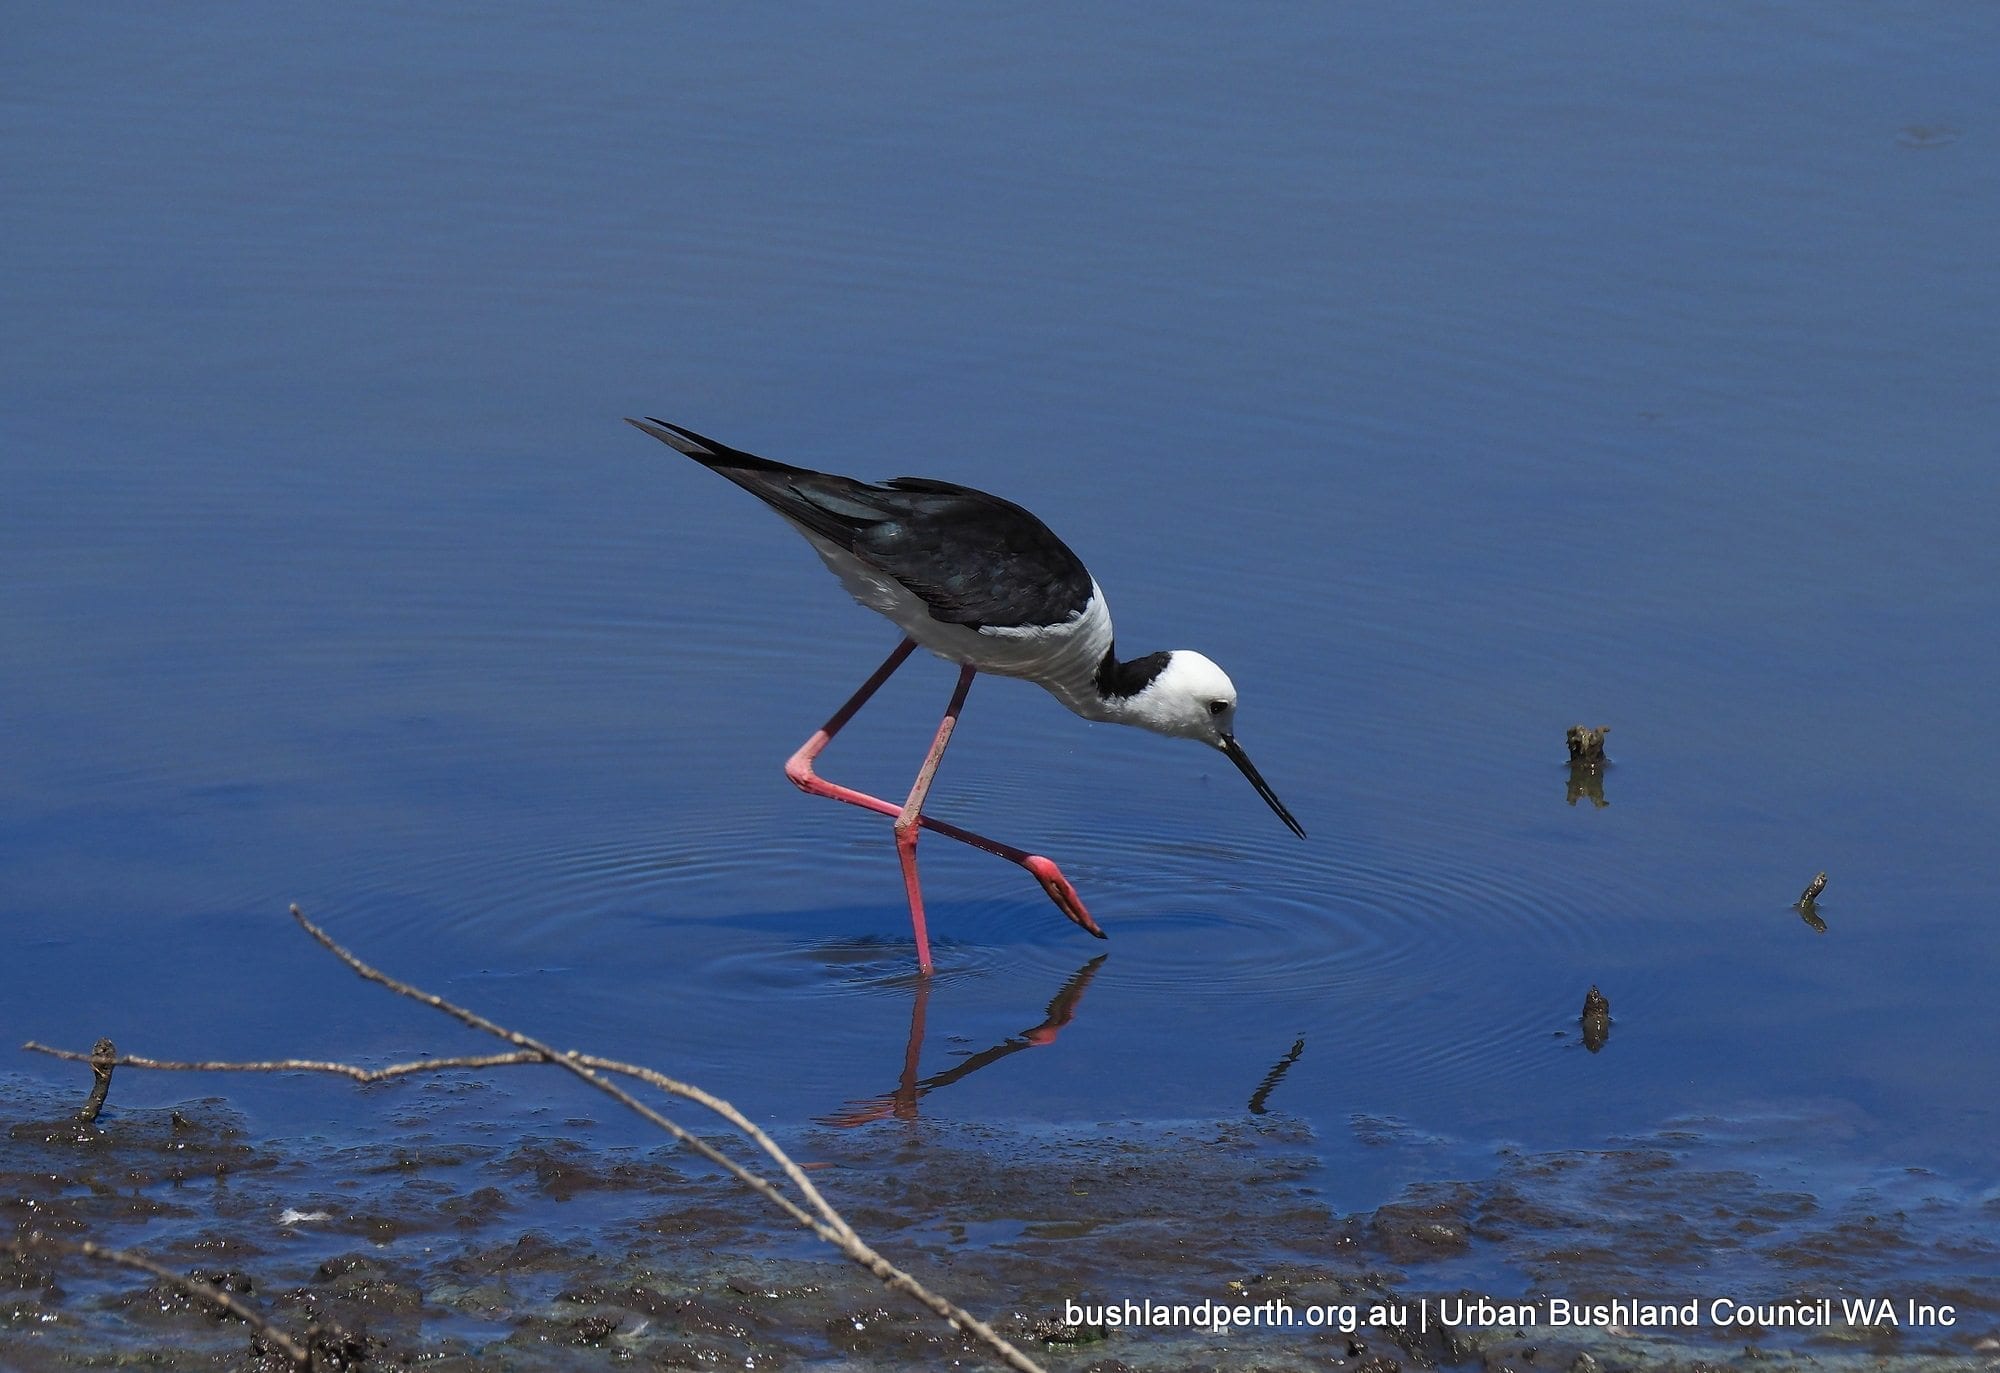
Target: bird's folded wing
[(973, 558)]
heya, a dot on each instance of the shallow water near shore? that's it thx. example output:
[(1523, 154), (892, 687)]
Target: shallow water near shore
[(1452, 378), (466, 1246)]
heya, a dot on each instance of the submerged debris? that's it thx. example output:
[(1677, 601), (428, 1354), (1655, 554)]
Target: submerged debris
[(1586, 744)]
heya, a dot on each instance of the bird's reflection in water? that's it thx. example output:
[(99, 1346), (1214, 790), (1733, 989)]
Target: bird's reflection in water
[(902, 1102)]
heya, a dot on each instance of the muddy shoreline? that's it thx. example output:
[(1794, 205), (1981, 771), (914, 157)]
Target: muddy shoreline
[(545, 1251)]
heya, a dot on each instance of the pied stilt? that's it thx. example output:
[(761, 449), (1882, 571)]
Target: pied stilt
[(982, 583)]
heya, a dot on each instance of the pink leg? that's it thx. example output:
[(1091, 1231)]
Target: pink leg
[(909, 820), (799, 767)]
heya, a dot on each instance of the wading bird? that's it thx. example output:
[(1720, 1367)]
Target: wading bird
[(982, 583)]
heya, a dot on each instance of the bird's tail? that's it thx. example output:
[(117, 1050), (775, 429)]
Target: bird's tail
[(830, 506), (706, 451)]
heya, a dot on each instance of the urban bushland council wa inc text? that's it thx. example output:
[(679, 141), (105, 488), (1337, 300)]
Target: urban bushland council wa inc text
[(1476, 1313)]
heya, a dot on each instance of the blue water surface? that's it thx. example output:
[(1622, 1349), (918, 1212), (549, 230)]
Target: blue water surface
[(1452, 374)]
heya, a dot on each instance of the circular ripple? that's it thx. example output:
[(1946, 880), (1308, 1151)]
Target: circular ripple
[(1405, 954)]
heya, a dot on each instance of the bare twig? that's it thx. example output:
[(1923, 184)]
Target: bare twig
[(577, 1063), (294, 1065), (823, 1220), (194, 1287)]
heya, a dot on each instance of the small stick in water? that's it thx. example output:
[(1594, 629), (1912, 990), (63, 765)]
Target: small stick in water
[(103, 1058), (1808, 904)]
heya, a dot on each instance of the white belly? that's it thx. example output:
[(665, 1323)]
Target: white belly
[(1064, 658)]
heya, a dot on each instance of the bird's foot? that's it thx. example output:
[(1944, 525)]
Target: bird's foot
[(1060, 891)]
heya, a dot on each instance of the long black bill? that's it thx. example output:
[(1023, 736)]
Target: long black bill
[(1249, 769)]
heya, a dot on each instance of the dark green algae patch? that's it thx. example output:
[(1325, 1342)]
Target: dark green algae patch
[(547, 1252)]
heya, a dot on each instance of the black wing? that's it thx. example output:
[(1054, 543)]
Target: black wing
[(973, 558)]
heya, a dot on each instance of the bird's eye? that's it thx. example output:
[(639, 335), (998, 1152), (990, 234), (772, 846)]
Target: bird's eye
[(1217, 707)]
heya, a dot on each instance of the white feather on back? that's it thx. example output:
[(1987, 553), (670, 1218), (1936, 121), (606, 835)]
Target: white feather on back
[(1064, 658)]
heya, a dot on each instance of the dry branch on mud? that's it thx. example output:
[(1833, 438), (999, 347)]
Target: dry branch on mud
[(811, 1210)]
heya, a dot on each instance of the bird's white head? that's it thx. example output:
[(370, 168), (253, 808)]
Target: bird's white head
[(1190, 697)]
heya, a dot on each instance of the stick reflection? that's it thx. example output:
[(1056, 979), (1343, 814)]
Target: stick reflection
[(1259, 1099)]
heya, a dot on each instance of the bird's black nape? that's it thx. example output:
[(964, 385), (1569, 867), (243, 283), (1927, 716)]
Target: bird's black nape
[(1119, 680)]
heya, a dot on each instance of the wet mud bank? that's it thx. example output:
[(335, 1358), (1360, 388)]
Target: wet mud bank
[(546, 1251)]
